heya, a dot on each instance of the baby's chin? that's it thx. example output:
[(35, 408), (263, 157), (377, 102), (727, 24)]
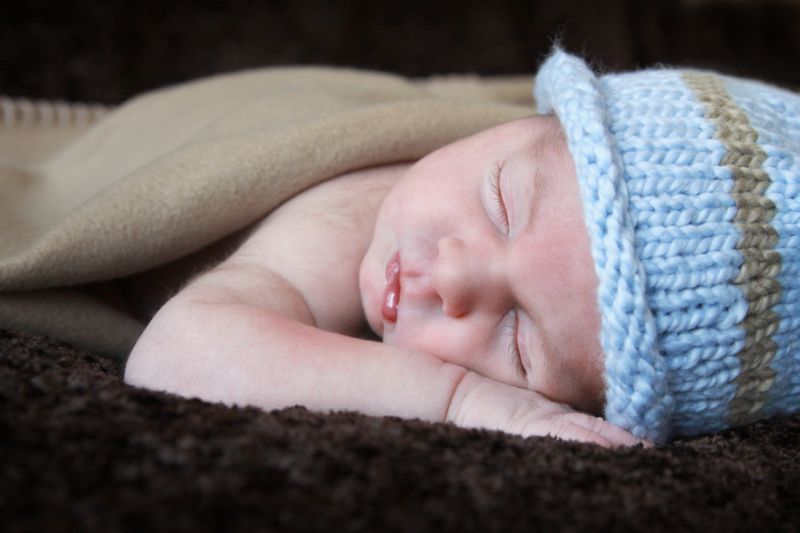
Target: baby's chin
[(370, 293)]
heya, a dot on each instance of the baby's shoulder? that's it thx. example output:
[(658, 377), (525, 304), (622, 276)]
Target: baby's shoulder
[(343, 206), (351, 192), (326, 228), (325, 225), (315, 243)]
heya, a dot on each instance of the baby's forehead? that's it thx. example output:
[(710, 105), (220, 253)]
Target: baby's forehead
[(497, 139), (530, 136), (529, 141)]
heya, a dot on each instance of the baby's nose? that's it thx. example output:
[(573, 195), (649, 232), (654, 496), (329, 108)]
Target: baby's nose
[(461, 277)]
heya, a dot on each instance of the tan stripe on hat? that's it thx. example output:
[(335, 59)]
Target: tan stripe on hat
[(758, 274)]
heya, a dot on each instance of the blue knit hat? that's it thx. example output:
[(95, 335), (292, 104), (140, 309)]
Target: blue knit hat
[(690, 184)]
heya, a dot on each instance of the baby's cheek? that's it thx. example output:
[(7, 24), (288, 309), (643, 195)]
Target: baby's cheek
[(565, 290), (429, 334), (564, 263), (463, 342)]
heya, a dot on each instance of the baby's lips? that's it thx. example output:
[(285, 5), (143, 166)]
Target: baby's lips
[(391, 294)]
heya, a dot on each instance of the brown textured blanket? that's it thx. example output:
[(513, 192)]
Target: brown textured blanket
[(83, 452)]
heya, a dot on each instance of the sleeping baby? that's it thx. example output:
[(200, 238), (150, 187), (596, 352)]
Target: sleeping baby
[(621, 268)]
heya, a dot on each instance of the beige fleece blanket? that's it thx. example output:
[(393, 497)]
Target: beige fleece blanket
[(88, 194)]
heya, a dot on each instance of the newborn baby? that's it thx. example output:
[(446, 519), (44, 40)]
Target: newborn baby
[(444, 260), (607, 258)]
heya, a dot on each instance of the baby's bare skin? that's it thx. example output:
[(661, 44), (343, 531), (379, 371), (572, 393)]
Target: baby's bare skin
[(276, 323), (496, 272)]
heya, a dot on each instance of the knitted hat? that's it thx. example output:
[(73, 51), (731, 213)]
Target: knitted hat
[(690, 183)]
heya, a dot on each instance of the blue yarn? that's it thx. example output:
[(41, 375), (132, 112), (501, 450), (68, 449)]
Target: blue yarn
[(673, 245), (775, 115)]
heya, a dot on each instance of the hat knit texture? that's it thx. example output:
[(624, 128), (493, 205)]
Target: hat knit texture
[(690, 183)]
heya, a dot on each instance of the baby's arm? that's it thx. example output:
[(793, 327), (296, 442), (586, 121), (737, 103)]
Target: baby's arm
[(263, 328), (268, 327), (238, 351)]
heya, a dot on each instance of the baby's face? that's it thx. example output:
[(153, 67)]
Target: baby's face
[(482, 247)]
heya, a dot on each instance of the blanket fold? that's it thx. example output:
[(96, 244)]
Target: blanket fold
[(101, 196)]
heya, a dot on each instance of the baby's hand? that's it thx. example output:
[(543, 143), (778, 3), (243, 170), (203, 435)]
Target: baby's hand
[(481, 402)]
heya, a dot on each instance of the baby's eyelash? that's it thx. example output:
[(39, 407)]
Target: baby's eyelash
[(502, 212), (512, 333)]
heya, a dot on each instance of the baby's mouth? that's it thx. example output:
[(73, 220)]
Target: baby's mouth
[(391, 294)]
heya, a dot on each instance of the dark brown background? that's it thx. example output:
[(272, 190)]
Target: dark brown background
[(109, 51)]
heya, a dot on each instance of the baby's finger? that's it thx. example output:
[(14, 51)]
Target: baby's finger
[(615, 434), (566, 430)]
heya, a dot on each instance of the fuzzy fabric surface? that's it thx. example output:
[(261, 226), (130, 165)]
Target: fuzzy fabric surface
[(82, 451)]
